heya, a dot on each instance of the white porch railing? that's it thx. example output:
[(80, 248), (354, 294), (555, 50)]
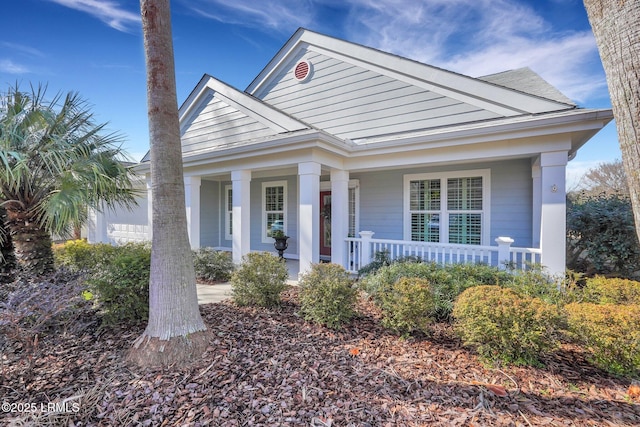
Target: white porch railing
[(360, 252)]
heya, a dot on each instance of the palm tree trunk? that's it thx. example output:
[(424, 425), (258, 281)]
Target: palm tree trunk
[(616, 26), (8, 259), (175, 333), (32, 244)]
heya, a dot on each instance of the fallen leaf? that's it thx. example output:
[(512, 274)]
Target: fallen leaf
[(498, 390), (634, 391)]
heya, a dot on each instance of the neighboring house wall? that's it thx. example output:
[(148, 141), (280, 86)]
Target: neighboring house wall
[(122, 225)]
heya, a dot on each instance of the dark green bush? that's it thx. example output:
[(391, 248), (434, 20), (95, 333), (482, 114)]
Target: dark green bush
[(383, 259), (534, 282), (447, 282), (121, 284), (611, 332), (601, 235), (259, 280), (502, 325), (604, 290), (212, 265), (409, 306), (327, 296)]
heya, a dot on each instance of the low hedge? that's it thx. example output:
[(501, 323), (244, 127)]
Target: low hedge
[(611, 333), (504, 326)]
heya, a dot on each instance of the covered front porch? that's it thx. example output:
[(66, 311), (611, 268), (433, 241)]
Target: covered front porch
[(315, 223)]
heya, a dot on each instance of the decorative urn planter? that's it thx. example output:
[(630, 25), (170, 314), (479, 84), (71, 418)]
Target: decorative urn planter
[(280, 243)]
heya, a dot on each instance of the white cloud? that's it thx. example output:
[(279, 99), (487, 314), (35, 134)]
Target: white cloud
[(25, 50), (10, 67), (281, 15), (109, 12), (480, 37), (472, 37)]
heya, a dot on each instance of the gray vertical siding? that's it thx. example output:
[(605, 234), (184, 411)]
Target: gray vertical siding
[(210, 211), (511, 207), (381, 200)]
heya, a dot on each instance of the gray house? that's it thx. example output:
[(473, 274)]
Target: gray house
[(350, 150)]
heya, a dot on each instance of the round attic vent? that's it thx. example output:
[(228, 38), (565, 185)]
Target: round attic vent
[(302, 70)]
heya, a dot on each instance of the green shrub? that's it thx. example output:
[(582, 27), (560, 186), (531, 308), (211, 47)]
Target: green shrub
[(259, 280), (447, 282), (212, 265), (502, 325), (603, 290), (327, 296), (80, 255), (408, 306), (534, 282), (610, 332), (121, 284)]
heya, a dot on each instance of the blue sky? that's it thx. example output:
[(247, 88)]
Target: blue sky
[(95, 47)]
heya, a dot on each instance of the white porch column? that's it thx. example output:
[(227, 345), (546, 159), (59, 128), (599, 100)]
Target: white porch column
[(192, 203), (536, 176), (553, 221), (149, 210), (339, 215), (240, 213), (309, 214)]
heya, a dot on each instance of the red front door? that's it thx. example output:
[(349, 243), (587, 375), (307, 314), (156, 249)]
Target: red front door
[(325, 223)]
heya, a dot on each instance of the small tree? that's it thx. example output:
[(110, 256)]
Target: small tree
[(54, 163), (606, 178), (600, 235)]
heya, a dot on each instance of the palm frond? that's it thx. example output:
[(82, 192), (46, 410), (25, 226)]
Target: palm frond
[(56, 162)]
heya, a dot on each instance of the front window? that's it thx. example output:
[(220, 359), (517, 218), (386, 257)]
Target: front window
[(425, 205), (464, 206), (447, 208), (228, 218), (274, 202)]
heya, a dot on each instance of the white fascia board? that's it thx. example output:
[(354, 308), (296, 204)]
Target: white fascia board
[(250, 106), (461, 154), (300, 140), (500, 100), (509, 128)]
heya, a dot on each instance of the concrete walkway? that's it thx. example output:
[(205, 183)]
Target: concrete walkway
[(222, 291), (213, 293)]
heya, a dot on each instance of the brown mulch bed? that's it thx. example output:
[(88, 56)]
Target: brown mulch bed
[(271, 368)]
